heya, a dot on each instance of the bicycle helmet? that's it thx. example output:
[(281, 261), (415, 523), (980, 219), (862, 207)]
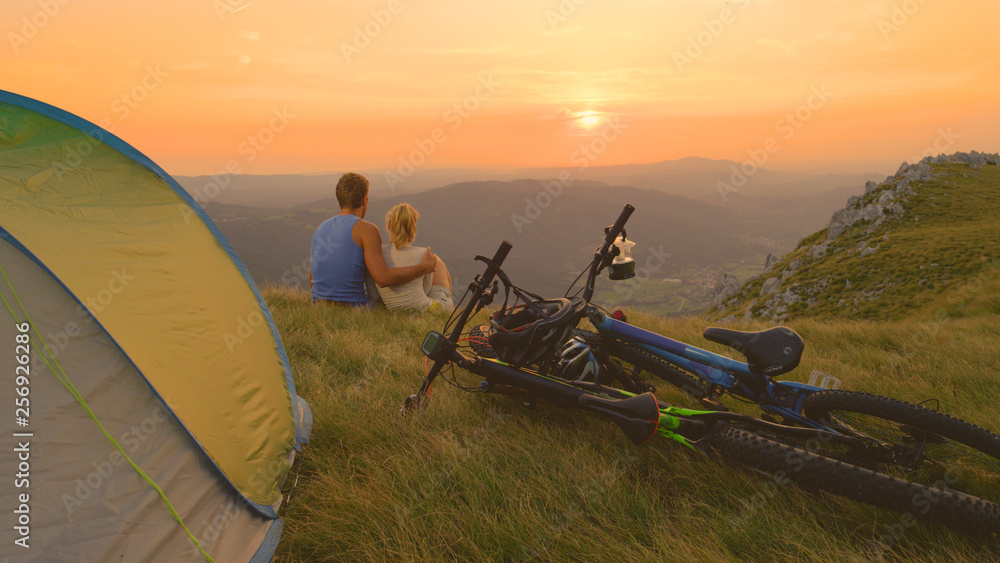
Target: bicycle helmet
[(577, 362), (525, 334)]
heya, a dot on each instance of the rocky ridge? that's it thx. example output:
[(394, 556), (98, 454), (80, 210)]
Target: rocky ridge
[(772, 294)]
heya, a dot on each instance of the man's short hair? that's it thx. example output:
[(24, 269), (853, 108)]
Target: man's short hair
[(351, 190)]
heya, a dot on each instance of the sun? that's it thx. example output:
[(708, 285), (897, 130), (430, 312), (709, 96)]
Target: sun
[(588, 118)]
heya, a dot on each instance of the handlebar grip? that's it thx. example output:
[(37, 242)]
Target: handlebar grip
[(496, 262), (619, 225)]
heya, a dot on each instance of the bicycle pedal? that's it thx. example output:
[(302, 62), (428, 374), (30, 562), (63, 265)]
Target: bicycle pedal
[(711, 405)]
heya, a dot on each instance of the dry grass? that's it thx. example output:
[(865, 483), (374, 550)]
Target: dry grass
[(480, 478)]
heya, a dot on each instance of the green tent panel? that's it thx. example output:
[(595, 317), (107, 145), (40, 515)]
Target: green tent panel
[(163, 417)]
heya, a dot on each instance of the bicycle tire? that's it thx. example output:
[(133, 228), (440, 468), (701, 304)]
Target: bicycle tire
[(479, 342), (691, 384), (815, 472), (926, 443)]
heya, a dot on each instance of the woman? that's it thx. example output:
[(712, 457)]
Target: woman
[(430, 292)]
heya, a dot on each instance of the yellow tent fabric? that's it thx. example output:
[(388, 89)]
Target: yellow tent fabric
[(137, 252)]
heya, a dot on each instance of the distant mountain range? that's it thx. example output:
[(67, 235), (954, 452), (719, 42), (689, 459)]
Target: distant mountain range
[(683, 243), (708, 180)]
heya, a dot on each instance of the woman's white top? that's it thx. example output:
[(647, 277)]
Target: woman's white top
[(412, 294)]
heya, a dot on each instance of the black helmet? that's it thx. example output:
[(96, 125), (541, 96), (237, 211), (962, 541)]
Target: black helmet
[(525, 334)]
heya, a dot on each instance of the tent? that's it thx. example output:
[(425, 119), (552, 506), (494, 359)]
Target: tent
[(148, 410)]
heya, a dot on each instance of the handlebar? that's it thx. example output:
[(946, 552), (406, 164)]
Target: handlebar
[(493, 266), (603, 255), (618, 227), (478, 286)]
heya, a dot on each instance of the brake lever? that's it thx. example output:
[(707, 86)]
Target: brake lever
[(488, 296), (606, 258), (607, 230)]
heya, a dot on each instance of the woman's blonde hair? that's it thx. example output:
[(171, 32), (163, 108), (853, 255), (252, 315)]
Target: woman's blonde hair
[(401, 222)]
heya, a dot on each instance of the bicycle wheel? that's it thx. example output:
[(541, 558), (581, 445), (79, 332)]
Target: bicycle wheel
[(921, 444), (643, 361), (816, 472)]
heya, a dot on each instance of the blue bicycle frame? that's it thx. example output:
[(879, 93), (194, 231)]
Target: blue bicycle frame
[(781, 398)]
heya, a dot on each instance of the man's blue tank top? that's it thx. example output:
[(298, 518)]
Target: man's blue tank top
[(338, 263)]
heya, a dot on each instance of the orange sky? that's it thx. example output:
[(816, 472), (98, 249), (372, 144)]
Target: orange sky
[(315, 86)]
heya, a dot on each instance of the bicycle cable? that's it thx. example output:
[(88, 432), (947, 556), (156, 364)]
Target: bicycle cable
[(570, 288), (454, 381), (458, 306)]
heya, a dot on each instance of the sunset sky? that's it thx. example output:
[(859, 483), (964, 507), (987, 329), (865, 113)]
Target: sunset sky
[(315, 86)]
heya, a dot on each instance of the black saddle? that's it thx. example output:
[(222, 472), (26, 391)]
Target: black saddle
[(769, 352)]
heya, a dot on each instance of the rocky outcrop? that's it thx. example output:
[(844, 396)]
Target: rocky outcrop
[(974, 159), (771, 260), (895, 190), (880, 203), (725, 287), (888, 204), (770, 287)]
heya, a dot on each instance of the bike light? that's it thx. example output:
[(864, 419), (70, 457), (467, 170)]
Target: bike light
[(623, 266)]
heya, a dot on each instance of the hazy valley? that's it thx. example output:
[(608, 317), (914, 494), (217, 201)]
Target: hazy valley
[(688, 228)]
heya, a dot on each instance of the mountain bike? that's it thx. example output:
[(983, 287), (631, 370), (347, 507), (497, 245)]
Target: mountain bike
[(904, 439), (525, 354)]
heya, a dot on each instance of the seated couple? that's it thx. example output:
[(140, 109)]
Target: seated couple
[(347, 255)]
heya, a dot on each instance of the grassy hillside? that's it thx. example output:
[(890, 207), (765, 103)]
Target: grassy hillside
[(930, 260), (480, 478)]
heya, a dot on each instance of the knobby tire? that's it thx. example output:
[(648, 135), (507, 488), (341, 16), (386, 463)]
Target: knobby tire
[(816, 472), (928, 445)]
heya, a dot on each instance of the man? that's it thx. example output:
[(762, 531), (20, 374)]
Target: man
[(346, 247)]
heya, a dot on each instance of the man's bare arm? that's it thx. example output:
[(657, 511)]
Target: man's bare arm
[(368, 237)]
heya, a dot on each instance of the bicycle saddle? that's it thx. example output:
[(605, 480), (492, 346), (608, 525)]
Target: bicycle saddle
[(769, 352)]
